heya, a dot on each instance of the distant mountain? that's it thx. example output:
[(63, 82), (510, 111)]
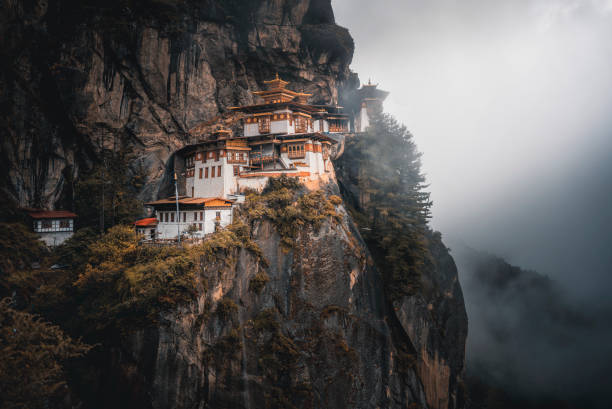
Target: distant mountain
[(529, 344)]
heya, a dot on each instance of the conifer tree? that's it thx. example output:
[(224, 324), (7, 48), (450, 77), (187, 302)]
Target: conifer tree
[(381, 171)]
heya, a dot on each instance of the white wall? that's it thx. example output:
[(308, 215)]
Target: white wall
[(168, 230), (189, 184), (251, 129), (55, 238), (364, 120), (281, 126), (210, 187)]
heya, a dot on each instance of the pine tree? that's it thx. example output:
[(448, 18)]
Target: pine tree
[(381, 177)]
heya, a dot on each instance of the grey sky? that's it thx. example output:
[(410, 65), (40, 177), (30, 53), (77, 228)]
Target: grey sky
[(511, 104)]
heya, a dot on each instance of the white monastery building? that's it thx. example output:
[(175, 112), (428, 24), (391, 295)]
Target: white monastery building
[(52, 226), (283, 135)]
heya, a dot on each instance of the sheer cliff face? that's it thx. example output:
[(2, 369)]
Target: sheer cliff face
[(314, 336), (77, 77), (80, 76)]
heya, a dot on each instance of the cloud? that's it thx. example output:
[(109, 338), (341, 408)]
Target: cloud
[(509, 103)]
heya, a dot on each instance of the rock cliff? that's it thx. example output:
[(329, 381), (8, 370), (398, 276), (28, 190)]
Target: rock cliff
[(79, 77)]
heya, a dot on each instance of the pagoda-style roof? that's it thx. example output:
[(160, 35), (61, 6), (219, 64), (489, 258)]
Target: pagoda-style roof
[(276, 83), (370, 91), (293, 105), (277, 92)]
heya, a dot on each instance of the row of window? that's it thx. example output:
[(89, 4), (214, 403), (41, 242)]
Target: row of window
[(53, 225), (169, 216), (190, 161), (296, 151), (236, 156), (204, 171)]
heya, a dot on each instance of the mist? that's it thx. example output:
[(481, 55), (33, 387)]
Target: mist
[(510, 103)]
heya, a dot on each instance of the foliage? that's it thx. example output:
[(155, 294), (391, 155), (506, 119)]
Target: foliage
[(31, 371), (226, 309), (109, 190), (258, 282), (392, 208), (75, 251), (335, 200), (123, 282), (288, 208), (19, 248), (236, 235), (278, 361)]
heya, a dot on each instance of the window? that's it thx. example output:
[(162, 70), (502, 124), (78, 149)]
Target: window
[(201, 215), (195, 215), (171, 217), (218, 215), (184, 216), (212, 171), (264, 124), (206, 173), (46, 224), (200, 173), (219, 170), (236, 170), (200, 226), (216, 155), (300, 124), (296, 151), (64, 224), (192, 190), (230, 156)]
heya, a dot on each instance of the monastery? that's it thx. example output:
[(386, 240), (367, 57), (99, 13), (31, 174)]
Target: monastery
[(283, 135)]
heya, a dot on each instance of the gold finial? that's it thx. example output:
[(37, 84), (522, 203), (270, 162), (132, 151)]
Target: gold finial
[(277, 75)]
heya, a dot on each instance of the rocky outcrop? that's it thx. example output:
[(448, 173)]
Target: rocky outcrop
[(435, 320), (313, 335), (81, 76)]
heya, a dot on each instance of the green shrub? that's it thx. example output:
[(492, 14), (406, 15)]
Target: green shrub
[(226, 309), (33, 353), (258, 282), (335, 200), (290, 210)]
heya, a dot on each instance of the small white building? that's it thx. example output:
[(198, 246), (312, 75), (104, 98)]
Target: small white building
[(196, 216), (53, 226), (146, 228)]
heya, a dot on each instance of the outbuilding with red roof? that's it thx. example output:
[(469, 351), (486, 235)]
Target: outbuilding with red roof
[(52, 226)]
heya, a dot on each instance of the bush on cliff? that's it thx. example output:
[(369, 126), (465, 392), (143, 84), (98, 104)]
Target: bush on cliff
[(123, 282), (284, 202), (33, 352)]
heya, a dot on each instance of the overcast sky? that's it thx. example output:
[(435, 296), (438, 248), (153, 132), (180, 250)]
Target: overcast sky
[(511, 104)]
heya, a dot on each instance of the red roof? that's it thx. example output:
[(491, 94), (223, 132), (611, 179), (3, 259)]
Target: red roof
[(52, 214), (206, 201), (149, 221)]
